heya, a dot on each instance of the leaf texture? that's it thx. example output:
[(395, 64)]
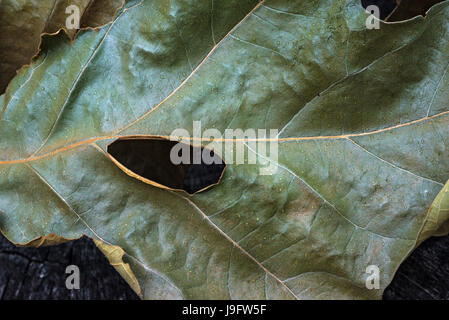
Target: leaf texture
[(363, 144), (437, 223), (115, 256), (24, 22)]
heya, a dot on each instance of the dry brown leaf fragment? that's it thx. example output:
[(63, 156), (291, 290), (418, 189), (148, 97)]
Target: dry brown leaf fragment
[(50, 239), (437, 218), (24, 22), (115, 254)]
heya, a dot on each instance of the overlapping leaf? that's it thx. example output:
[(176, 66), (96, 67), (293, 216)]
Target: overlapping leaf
[(437, 222), (23, 22), (363, 145)]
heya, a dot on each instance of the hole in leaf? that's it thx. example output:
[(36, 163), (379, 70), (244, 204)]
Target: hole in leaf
[(386, 7), (408, 9), (168, 164), (400, 10)]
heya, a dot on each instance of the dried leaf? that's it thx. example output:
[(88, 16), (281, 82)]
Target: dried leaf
[(363, 144), (24, 22), (115, 256), (437, 222)]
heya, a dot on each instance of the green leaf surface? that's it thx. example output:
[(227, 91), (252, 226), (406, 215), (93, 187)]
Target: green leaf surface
[(363, 146), (24, 22)]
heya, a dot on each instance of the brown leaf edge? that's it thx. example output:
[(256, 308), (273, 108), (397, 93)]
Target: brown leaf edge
[(437, 221), (409, 9), (154, 183), (71, 37), (113, 253), (435, 224), (115, 256)]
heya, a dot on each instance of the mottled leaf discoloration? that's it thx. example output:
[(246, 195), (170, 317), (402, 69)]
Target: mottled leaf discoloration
[(363, 146)]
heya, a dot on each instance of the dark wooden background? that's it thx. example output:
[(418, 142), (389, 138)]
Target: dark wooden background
[(39, 273)]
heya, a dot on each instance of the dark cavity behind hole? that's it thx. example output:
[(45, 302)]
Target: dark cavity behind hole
[(150, 158), (385, 6)]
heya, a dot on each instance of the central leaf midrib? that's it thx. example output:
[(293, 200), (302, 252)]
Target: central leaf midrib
[(152, 109)]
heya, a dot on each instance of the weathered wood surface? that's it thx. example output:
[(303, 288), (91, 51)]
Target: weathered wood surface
[(39, 273)]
